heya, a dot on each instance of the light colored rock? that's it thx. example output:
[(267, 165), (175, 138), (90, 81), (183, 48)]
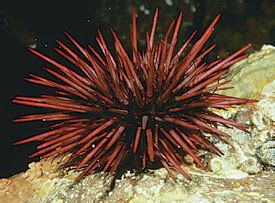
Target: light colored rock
[(251, 166), (250, 75), (266, 153), (267, 102)]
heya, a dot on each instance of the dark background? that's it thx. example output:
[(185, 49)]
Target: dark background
[(23, 23)]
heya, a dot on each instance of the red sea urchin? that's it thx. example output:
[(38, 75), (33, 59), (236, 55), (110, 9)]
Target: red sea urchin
[(151, 107)]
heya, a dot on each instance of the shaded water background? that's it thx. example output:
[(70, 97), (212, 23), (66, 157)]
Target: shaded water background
[(37, 24)]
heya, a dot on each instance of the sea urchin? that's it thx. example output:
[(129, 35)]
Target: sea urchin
[(151, 108)]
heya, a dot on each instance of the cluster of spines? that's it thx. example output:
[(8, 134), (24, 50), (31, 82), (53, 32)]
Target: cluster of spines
[(99, 110)]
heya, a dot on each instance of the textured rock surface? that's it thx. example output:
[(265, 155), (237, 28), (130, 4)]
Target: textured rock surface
[(245, 173), (252, 74), (153, 186)]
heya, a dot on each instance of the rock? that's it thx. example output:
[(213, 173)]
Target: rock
[(250, 75), (266, 152), (267, 104), (251, 166)]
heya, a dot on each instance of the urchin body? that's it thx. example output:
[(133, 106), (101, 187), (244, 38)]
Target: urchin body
[(151, 107)]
